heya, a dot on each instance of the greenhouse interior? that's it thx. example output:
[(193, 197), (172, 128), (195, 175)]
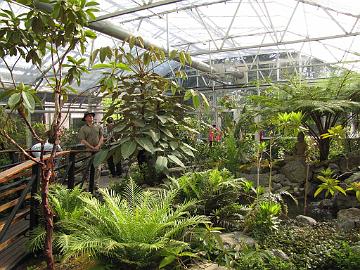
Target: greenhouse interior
[(180, 134)]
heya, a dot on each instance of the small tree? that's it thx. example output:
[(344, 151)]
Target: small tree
[(30, 36), (151, 108)]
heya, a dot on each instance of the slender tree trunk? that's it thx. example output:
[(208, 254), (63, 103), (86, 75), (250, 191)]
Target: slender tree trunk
[(324, 147), (48, 214)]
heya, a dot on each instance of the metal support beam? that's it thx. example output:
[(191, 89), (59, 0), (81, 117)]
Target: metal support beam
[(288, 24), (192, 6), (203, 52), (313, 3), (119, 33), (230, 25), (335, 21), (135, 9)]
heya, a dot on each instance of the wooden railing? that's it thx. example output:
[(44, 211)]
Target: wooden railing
[(18, 206)]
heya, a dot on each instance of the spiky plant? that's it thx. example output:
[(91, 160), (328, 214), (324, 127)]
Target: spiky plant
[(67, 206), (217, 192), (135, 230)]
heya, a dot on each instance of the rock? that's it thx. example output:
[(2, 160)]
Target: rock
[(353, 178), (279, 178), (345, 202), (305, 220), (295, 171), (280, 254), (277, 186), (326, 204), (334, 167), (263, 178), (105, 172), (351, 161), (208, 266), (348, 218), (236, 240)]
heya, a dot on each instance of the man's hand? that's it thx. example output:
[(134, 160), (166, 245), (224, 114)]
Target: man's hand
[(96, 147)]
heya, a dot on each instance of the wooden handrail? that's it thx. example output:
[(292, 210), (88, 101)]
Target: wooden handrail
[(9, 174)]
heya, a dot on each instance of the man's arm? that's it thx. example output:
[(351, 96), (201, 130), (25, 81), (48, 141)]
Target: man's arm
[(101, 140), (87, 144)]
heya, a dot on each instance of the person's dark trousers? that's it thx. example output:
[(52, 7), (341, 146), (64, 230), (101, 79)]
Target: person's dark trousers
[(115, 169)]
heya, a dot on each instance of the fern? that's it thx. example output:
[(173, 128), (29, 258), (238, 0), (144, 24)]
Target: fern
[(134, 230)]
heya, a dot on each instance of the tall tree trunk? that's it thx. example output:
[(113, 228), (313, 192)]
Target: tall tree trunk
[(324, 147), (47, 173)]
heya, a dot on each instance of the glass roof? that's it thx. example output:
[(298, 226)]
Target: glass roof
[(215, 29)]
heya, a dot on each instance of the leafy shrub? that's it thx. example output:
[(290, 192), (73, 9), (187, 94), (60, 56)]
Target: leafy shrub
[(263, 219), (217, 193)]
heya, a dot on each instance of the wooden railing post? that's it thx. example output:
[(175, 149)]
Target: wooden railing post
[(71, 174), (34, 217)]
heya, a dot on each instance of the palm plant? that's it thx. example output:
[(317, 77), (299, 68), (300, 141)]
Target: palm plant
[(323, 105), (138, 230)]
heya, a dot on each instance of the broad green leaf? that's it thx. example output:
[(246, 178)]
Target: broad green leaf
[(204, 99), (99, 66), (123, 66), (154, 135), (146, 144), (128, 148), (196, 101), (28, 101), (188, 94), (189, 146), (14, 100), (188, 58), (161, 163), (187, 151), (166, 261), (182, 58), (340, 189), (162, 118), (176, 160), (318, 191), (174, 145), (119, 127), (167, 132), (173, 54), (100, 157)]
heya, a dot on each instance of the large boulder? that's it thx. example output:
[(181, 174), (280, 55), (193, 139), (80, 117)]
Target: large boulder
[(295, 171), (236, 240), (263, 178), (208, 266), (305, 220), (351, 161), (348, 219), (345, 202), (353, 178)]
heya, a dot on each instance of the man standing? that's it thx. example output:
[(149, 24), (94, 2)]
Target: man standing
[(91, 136)]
